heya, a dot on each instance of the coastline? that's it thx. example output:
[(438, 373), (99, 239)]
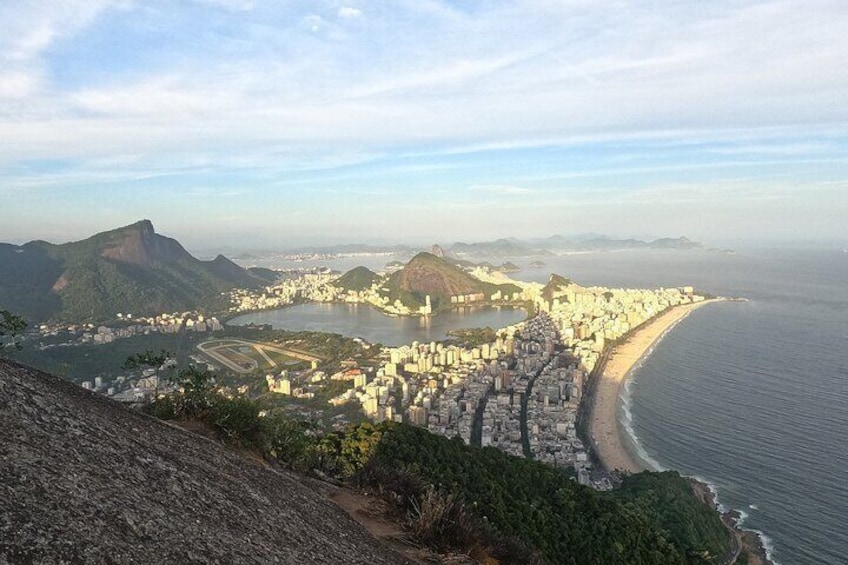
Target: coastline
[(607, 435)]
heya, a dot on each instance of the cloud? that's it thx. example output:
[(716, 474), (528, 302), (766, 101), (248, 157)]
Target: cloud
[(231, 5), (18, 84), (29, 30), (473, 98), (349, 12), (506, 189)]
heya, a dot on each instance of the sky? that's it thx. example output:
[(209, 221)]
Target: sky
[(246, 123)]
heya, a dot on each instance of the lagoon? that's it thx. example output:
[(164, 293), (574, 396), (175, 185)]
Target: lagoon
[(368, 323)]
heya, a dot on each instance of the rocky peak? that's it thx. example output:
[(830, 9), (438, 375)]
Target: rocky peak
[(139, 244)]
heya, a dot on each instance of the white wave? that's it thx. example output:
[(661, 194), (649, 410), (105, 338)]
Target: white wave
[(767, 543), (713, 491), (627, 423), (768, 546), (625, 402)]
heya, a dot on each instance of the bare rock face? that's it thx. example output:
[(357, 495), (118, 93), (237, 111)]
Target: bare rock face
[(139, 244), (85, 480)]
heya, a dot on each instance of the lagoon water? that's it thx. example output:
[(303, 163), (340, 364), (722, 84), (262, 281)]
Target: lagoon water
[(359, 320), (749, 396)]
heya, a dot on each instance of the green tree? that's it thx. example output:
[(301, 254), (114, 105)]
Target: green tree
[(198, 388), (288, 440), (149, 359), (11, 325)]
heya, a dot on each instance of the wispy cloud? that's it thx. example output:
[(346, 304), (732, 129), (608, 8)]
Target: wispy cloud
[(506, 189), (505, 99), (349, 12)]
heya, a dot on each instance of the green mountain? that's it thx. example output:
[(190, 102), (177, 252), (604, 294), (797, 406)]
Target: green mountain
[(268, 275), (426, 274), (131, 270), (358, 279), (654, 518)]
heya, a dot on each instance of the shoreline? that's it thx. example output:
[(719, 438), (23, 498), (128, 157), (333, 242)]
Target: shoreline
[(609, 438), (604, 429)]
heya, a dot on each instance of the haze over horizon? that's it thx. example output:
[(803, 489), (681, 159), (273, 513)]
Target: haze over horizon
[(246, 124)]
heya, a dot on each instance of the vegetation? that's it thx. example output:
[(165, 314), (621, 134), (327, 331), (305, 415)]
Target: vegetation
[(131, 269), (529, 501), (148, 360), (427, 274), (473, 337), (235, 419), (554, 284), (268, 275), (666, 498), (83, 362), (357, 279), (479, 501), (11, 325)]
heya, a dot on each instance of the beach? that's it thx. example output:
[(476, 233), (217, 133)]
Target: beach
[(604, 428)]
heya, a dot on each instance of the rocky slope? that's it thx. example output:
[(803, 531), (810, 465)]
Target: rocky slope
[(85, 480)]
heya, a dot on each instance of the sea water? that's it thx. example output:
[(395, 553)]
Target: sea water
[(751, 397)]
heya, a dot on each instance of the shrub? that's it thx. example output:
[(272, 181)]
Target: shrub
[(164, 408), (288, 441), (439, 521), (235, 419)]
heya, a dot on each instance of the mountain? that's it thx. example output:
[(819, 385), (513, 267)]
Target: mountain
[(674, 243), (358, 279), (131, 270), (267, 275), (86, 480), (555, 283), (426, 274), (498, 248), (595, 242), (654, 518), (507, 268), (512, 247)]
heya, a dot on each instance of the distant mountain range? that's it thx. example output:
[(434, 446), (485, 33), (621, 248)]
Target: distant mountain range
[(511, 247), (128, 270), (553, 245)]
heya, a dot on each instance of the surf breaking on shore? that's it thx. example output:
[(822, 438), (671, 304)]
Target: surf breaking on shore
[(609, 436), (604, 429)]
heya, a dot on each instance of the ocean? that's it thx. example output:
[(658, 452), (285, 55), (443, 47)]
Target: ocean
[(751, 397)]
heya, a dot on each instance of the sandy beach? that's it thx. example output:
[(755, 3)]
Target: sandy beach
[(604, 429)]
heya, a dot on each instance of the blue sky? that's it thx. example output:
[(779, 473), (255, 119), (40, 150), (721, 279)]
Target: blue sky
[(252, 123)]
